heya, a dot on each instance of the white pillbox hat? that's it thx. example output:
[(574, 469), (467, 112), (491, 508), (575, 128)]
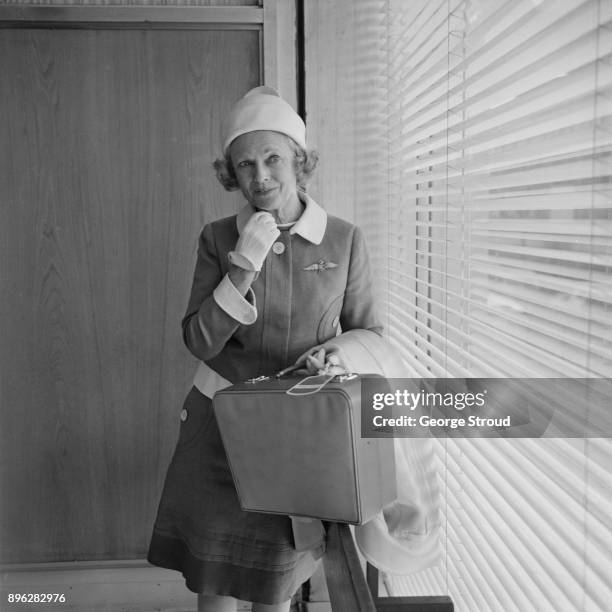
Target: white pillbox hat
[(263, 109)]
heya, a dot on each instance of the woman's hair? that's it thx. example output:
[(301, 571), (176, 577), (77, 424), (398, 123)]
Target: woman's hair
[(304, 165)]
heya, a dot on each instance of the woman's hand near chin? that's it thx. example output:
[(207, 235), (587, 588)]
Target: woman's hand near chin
[(254, 242)]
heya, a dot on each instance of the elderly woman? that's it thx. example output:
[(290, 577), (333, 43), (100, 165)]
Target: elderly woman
[(271, 284)]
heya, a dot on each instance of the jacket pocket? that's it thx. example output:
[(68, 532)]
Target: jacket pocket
[(196, 415), (329, 325)]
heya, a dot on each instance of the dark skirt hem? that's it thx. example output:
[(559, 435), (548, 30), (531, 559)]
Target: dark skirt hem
[(223, 578)]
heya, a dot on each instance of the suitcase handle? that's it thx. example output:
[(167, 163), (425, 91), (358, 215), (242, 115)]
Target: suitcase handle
[(306, 386)]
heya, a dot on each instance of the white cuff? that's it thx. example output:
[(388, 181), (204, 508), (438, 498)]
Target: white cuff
[(234, 304), (208, 382)]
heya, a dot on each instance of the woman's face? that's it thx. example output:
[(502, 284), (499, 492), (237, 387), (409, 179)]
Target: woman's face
[(264, 165)]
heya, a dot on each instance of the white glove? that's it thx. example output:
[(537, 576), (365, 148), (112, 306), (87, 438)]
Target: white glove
[(317, 361), (255, 241)]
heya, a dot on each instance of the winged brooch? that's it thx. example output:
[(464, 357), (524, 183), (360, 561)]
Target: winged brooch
[(321, 266)]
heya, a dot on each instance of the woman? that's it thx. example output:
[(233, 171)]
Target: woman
[(270, 285)]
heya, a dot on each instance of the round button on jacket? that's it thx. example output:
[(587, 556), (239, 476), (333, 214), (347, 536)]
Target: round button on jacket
[(278, 248), (183, 415)]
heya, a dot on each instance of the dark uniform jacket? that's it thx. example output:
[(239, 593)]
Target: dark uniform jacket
[(315, 283)]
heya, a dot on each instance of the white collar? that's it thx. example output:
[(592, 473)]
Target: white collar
[(311, 224)]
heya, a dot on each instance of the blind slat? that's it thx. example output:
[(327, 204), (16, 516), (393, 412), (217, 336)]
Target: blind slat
[(484, 186)]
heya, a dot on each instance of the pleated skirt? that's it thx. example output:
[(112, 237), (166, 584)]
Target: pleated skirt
[(201, 531)]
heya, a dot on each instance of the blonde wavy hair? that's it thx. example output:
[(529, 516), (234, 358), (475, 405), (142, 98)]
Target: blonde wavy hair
[(304, 165)]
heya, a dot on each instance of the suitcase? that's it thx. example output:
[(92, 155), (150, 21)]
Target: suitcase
[(294, 447)]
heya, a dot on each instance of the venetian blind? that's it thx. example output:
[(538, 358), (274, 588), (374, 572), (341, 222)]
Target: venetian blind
[(484, 166)]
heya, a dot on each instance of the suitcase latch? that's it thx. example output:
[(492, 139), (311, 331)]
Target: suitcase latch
[(257, 379), (344, 377)]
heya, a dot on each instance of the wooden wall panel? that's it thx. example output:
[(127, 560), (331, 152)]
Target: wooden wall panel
[(105, 182)]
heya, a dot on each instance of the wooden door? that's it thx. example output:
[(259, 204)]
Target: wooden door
[(105, 182)]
